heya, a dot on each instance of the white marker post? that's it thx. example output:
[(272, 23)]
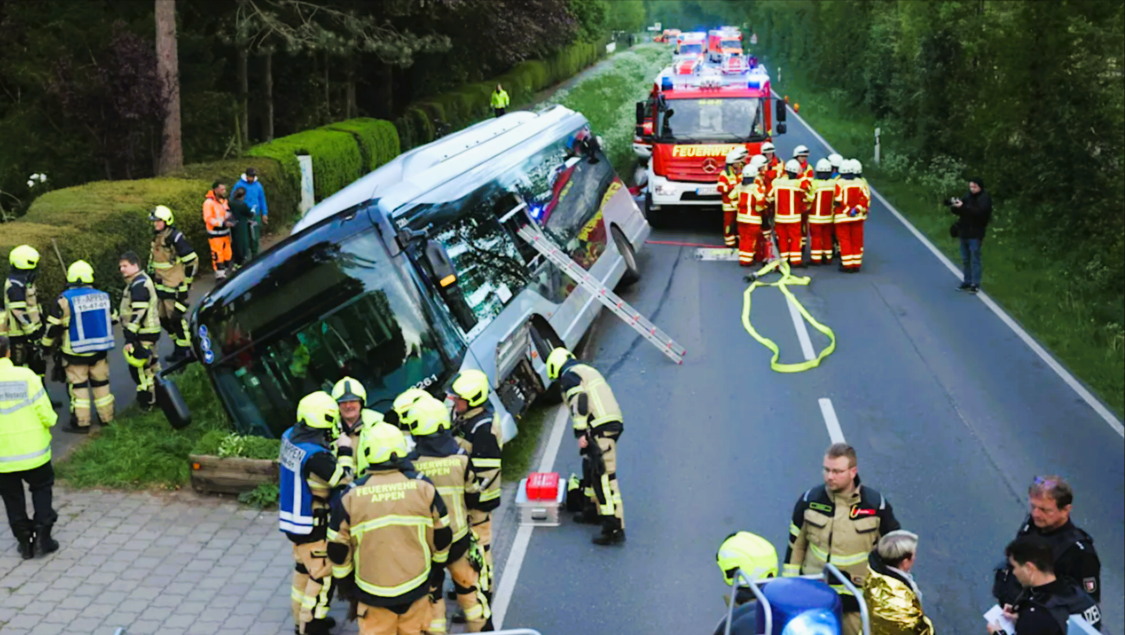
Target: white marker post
[(877, 145), (307, 191)]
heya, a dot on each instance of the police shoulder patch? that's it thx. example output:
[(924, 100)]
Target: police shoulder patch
[(1090, 584)]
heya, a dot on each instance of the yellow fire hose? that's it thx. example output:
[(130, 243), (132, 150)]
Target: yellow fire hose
[(787, 278)]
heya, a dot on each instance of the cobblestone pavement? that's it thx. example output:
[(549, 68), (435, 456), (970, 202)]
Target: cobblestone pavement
[(162, 564)]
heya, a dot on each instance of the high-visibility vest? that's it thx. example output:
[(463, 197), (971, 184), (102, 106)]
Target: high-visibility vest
[(26, 415), (789, 196), (500, 99), (91, 327), (602, 404), (822, 198), (851, 194), (149, 327), (295, 497)]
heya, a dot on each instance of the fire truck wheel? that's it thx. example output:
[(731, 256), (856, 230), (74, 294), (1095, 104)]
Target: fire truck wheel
[(632, 271)]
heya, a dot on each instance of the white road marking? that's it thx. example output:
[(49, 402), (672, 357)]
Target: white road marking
[(830, 420), (512, 566), (802, 330), (1047, 358)]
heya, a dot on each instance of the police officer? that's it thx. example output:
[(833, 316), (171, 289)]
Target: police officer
[(1046, 602), (598, 424), (439, 457), (479, 433), (351, 397), (173, 265), (757, 559), (82, 316), (838, 522), (26, 417), (1073, 553), (140, 323), (392, 563), (25, 325), (309, 471)]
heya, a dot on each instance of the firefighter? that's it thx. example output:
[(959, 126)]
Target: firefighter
[(438, 456), (82, 316), (801, 154), (790, 197), (25, 324), (351, 397), (774, 166), (140, 323), (728, 181), (173, 265), (838, 522), (751, 204), (598, 425), (398, 415), (822, 195), (853, 199), (835, 160), (764, 250), (405, 537), (216, 216), (478, 432), (757, 559), (309, 472)]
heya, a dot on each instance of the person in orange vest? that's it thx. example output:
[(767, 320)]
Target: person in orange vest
[(790, 198), (751, 204), (729, 179), (216, 215), (853, 199), (822, 196)]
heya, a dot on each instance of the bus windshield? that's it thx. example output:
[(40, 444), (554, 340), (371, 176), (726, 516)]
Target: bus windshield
[(701, 120), (339, 309)]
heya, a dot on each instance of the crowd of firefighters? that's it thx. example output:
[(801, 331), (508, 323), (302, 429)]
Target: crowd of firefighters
[(822, 207)]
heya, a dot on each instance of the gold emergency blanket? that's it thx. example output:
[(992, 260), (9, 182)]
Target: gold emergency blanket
[(894, 608)]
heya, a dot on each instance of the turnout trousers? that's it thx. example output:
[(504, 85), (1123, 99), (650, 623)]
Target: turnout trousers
[(145, 377), (751, 248), (97, 376), (851, 244), (789, 242), (607, 491), (730, 238), (470, 598), (377, 620), (481, 522), (172, 309), (312, 583), (820, 235)]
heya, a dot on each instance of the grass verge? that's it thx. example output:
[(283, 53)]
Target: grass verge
[(520, 451), (1064, 315)]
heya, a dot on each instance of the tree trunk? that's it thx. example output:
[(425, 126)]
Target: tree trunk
[(244, 94), (350, 107), (269, 96), (327, 93), (168, 67)]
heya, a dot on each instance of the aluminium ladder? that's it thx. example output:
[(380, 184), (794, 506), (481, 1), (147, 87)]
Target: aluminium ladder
[(534, 236)]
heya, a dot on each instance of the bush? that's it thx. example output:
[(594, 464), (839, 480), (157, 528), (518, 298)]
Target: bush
[(378, 140), (224, 443), (336, 157)]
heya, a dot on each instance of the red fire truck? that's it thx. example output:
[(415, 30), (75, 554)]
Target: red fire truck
[(689, 124), (723, 42)]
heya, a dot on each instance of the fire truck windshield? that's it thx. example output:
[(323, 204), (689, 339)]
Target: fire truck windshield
[(691, 49), (702, 120), (730, 44)]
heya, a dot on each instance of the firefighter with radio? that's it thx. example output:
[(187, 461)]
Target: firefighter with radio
[(598, 425), (790, 195), (822, 195), (82, 317), (756, 558), (309, 472), (403, 537), (439, 458), (751, 204), (852, 201), (24, 322), (478, 431), (351, 397), (140, 323), (729, 179), (173, 265)]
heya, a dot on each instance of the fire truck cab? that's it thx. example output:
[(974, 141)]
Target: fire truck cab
[(723, 42), (689, 124), (690, 51)]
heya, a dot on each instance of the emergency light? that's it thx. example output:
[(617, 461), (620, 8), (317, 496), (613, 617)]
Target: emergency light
[(666, 83), (755, 83)]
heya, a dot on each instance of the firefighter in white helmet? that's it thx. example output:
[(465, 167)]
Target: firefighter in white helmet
[(853, 199), (821, 200), (729, 179), (751, 204), (790, 197)]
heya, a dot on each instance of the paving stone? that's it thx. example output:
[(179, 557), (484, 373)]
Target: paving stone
[(76, 602), (204, 628), (61, 616), (180, 621), (133, 605), (39, 608), (144, 627), (85, 624), (25, 621), (190, 608)]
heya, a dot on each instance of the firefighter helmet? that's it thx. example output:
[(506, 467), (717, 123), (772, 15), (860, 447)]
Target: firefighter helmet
[(760, 160), (835, 160), (348, 389), (318, 410), (555, 362), (751, 170), (136, 355), (847, 166), (80, 271), (162, 213), (751, 553), (857, 167), (404, 402), (428, 416), (768, 147), (24, 257), (793, 166), (379, 444), (472, 386), (823, 165), (737, 155), (800, 151)]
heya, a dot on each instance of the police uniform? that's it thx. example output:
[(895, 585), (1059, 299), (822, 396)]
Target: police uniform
[(1046, 609), (140, 320), (26, 417), (841, 529), (1074, 556), (25, 324), (173, 264), (82, 315), (480, 437)]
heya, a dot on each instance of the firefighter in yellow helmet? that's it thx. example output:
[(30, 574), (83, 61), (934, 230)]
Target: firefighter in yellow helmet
[(404, 538), (756, 558), (140, 323), (351, 397), (21, 307), (80, 323), (399, 414), (478, 431), (447, 465), (598, 424), (173, 266)]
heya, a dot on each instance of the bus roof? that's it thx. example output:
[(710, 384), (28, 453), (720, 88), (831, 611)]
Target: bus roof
[(412, 174)]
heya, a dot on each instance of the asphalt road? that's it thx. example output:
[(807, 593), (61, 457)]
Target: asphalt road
[(950, 412)]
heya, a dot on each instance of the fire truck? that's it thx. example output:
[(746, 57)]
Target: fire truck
[(690, 51), (688, 125), (723, 42)]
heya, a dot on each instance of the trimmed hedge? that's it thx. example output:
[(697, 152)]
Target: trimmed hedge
[(377, 139), (336, 158)]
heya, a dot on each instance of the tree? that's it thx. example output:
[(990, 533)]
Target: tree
[(172, 151), (626, 15)]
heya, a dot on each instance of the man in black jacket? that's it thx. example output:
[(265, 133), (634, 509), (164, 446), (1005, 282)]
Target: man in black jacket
[(1046, 602), (973, 212)]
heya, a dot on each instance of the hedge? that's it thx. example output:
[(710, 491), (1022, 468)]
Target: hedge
[(377, 139)]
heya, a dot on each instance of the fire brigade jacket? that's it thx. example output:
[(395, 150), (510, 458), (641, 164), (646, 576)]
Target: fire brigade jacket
[(853, 198), (775, 169), (593, 408), (837, 528), (21, 305), (751, 202), (309, 472), (26, 419), (807, 175), (1074, 555), (82, 316), (479, 434), (391, 531), (728, 181), (822, 201), (446, 464), (892, 601), (790, 197), (173, 262), (367, 419), (140, 320)]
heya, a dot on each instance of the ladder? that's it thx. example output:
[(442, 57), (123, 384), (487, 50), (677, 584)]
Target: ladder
[(534, 236)]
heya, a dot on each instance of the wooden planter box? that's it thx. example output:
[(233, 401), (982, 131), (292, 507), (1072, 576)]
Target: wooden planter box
[(215, 475)]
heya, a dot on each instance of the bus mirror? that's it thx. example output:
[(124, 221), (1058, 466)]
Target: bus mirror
[(779, 110), (172, 403), (440, 264), (640, 113), (781, 128), (668, 114)]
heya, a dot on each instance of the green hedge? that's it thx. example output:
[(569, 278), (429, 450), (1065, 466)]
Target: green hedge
[(377, 139), (336, 158)]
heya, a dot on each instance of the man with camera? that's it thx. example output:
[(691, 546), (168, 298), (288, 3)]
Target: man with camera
[(973, 213)]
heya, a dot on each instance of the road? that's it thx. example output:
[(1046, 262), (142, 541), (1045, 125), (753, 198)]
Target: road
[(950, 412)]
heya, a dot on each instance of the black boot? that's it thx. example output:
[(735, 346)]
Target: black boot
[(588, 516), (44, 544), (25, 537), (612, 534)]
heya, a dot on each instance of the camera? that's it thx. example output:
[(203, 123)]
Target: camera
[(953, 200)]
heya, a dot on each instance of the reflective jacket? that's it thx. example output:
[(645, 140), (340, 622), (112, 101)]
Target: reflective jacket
[(446, 464), (367, 419), (308, 472), (21, 306), (822, 201), (26, 416), (500, 99), (215, 213), (82, 315), (728, 181), (751, 202), (593, 408), (790, 197), (173, 262), (853, 199), (479, 435), (140, 319), (892, 602), (390, 530), (837, 528)]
